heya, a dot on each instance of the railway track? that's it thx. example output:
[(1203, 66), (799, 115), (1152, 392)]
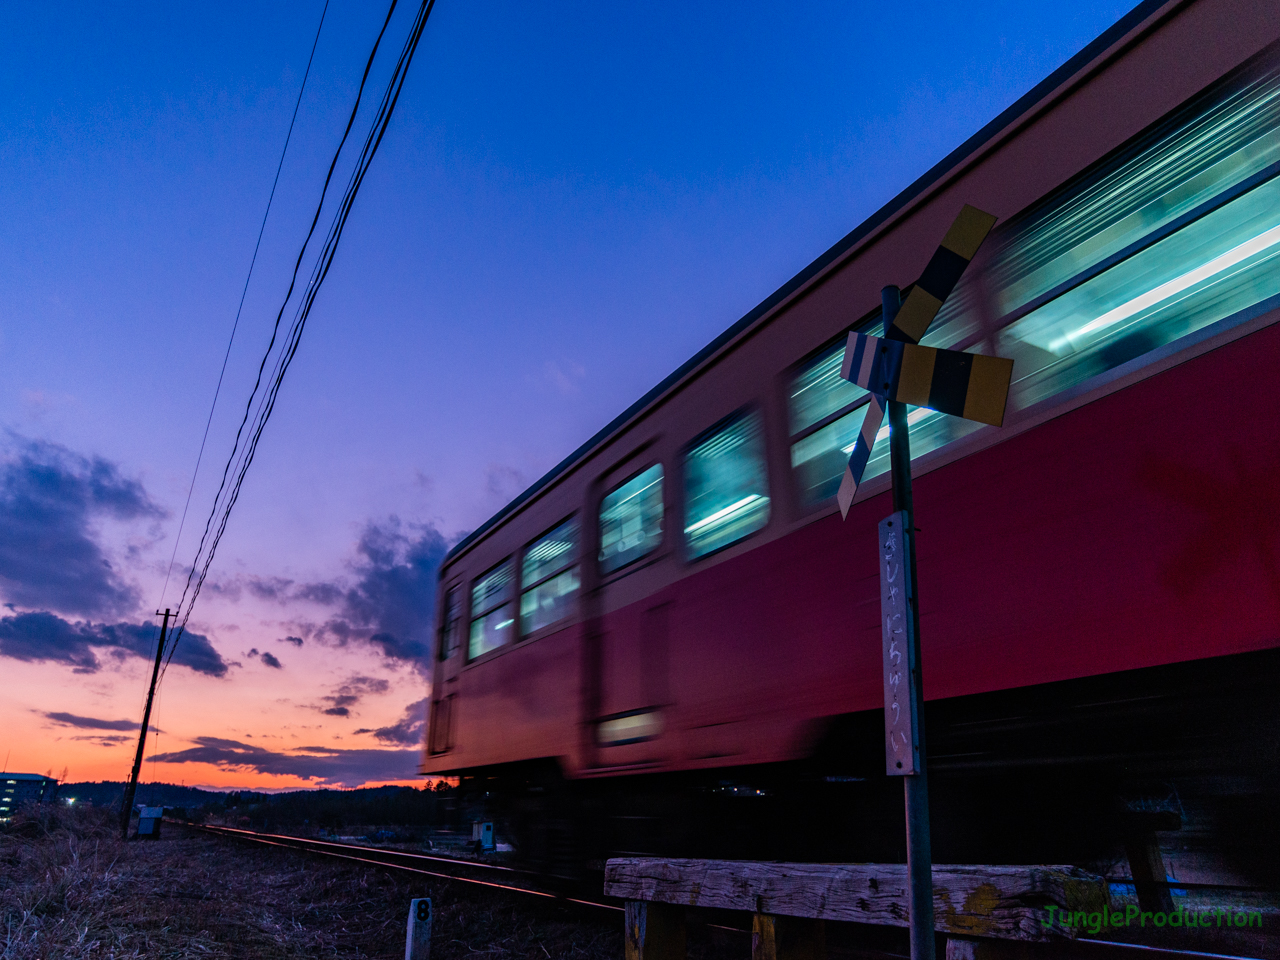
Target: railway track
[(517, 880), (491, 875)]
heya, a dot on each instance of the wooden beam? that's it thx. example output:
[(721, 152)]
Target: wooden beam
[(655, 931), (977, 901)]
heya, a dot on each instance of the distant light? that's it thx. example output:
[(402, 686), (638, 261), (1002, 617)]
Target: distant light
[(1175, 286)]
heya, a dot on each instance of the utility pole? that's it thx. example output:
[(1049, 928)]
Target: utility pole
[(131, 788), (915, 785)]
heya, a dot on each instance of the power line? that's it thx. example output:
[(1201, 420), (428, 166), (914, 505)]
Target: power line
[(241, 457), (243, 293), (236, 324)]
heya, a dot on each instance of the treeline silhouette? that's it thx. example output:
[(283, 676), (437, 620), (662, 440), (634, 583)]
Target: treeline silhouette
[(319, 810)]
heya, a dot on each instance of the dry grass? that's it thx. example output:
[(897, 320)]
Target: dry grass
[(70, 888)]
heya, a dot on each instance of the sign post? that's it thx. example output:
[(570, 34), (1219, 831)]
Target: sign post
[(905, 757), (898, 371)]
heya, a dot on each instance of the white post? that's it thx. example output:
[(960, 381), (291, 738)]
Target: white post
[(417, 942)]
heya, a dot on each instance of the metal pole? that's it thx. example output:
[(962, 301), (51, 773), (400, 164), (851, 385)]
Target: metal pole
[(915, 787), (126, 807)]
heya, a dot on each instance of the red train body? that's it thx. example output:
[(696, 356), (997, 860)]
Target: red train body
[(1125, 520)]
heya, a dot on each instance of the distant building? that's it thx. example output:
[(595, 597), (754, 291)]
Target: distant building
[(17, 788)]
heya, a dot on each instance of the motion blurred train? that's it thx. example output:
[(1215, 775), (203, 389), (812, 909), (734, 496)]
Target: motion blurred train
[(671, 644)]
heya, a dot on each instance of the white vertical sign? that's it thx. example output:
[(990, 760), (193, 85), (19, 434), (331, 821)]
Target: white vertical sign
[(417, 941), (898, 642)]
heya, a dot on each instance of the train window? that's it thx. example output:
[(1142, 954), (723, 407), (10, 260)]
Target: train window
[(492, 617), (1179, 231), (726, 490), (1220, 264), (631, 520), (451, 631), (549, 575), (1176, 232), (818, 390), (826, 414), (1222, 139)]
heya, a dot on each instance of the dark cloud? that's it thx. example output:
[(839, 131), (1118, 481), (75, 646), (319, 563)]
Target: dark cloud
[(324, 593), (410, 729), (324, 765), (91, 723), (269, 660), (296, 641), (269, 588), (276, 589), (349, 693), (50, 499), (107, 739), (392, 603), (34, 637)]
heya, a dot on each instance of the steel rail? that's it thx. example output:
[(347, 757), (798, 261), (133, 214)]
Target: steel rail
[(446, 868)]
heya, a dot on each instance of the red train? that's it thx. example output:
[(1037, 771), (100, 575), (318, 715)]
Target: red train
[(671, 641)]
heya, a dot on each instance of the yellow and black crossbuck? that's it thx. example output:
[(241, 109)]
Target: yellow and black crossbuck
[(895, 367)]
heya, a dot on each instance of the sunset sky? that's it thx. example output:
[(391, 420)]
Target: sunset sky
[(571, 200)]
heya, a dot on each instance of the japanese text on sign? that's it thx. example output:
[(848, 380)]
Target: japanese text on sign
[(902, 755)]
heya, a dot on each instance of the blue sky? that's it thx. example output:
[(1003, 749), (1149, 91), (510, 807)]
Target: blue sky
[(570, 201)]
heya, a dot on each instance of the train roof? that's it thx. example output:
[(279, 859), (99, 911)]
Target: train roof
[(1008, 117)]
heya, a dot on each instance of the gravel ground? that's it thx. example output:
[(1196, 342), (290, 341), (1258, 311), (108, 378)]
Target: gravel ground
[(70, 888)]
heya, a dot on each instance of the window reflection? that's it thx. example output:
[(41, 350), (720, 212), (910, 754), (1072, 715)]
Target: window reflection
[(631, 520), (819, 459), (1210, 269), (818, 390), (549, 575), (819, 450), (1214, 142), (1107, 298), (492, 618), (726, 492)]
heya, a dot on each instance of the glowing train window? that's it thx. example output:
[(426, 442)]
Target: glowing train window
[(492, 612), (818, 390), (549, 576), (631, 520), (1174, 234), (451, 632), (726, 489), (823, 428)]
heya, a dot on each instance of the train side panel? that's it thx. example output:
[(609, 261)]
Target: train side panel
[(1134, 530), (1140, 529)]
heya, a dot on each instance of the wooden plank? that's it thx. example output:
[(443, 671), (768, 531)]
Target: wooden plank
[(655, 931), (787, 938), (1006, 902)]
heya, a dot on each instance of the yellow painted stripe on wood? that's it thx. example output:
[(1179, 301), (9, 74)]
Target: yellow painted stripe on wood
[(988, 389), (917, 313), (917, 375), (968, 232)]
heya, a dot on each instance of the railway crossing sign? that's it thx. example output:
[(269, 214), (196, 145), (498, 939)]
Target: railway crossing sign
[(897, 371), (896, 368)]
